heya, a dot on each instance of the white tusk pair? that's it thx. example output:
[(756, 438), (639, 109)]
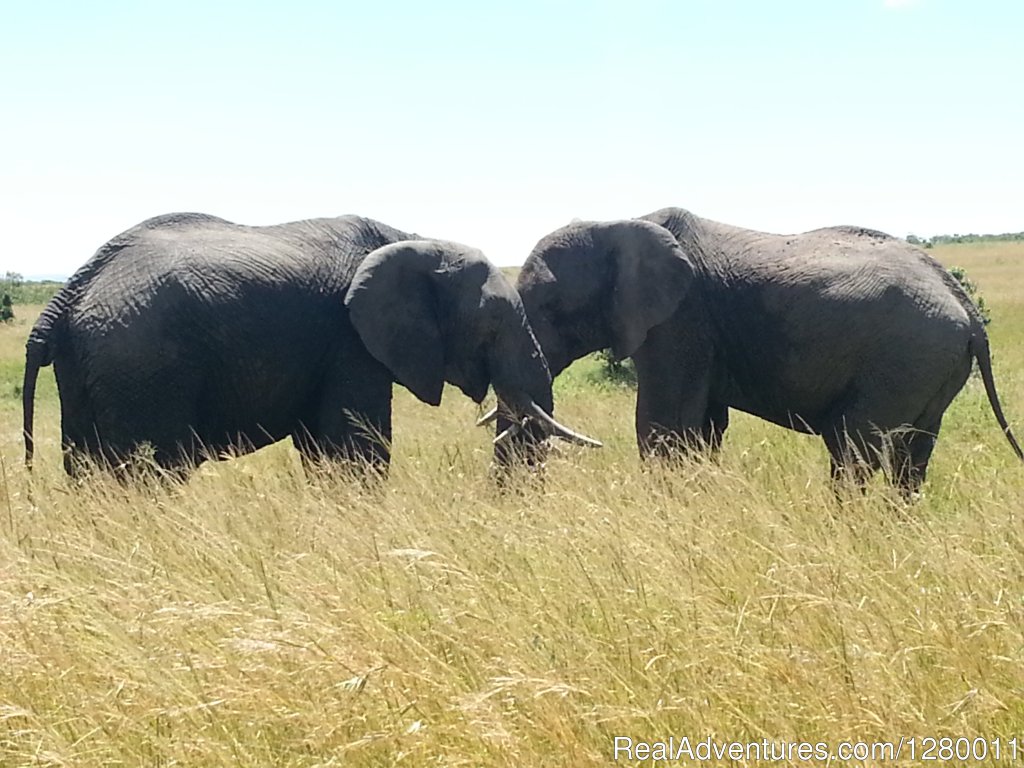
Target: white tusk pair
[(553, 427)]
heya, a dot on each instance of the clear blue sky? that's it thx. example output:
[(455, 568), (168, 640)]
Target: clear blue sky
[(493, 124)]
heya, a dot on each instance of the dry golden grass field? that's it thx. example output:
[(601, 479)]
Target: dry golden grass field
[(252, 618)]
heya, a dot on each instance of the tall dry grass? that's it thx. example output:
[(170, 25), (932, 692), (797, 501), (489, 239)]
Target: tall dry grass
[(253, 618)]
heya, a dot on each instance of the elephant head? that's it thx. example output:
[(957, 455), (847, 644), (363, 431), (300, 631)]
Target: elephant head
[(594, 285), (434, 312)]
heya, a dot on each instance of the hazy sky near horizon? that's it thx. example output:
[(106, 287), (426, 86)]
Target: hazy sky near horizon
[(493, 124)]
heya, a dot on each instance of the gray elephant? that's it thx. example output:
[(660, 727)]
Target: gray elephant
[(843, 332), (203, 338)]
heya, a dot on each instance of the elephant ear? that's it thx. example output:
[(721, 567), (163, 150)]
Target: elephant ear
[(392, 304), (652, 276)]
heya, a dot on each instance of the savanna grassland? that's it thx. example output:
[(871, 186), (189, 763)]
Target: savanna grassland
[(253, 618)]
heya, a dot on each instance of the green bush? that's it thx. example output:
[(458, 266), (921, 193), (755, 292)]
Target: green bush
[(972, 291), (621, 372)]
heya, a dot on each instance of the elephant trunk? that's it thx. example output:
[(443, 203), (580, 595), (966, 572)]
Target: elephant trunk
[(519, 372)]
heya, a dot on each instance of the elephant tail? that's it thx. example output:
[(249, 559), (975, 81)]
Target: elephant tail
[(34, 360), (38, 354), (980, 349)]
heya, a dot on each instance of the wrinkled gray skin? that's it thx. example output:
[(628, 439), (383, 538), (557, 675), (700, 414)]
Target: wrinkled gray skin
[(204, 338), (840, 332)]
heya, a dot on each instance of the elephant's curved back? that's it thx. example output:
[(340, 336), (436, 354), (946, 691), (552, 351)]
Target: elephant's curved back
[(107, 254), (177, 242), (873, 264), (133, 245), (338, 245), (707, 243), (50, 321)]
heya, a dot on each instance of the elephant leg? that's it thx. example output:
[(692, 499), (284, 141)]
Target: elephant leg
[(353, 446), (79, 438), (673, 412), (354, 439), (855, 448), (140, 429), (910, 439), (177, 460), (914, 446), (912, 449), (350, 422), (81, 443), (173, 454), (716, 421)]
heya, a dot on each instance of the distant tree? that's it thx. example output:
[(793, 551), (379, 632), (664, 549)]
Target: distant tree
[(6, 308), (973, 238), (617, 371), (913, 239), (12, 282)]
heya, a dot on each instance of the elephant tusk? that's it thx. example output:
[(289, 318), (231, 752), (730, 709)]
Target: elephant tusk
[(558, 430), (488, 417), (510, 432)]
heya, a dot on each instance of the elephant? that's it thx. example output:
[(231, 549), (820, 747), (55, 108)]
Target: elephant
[(843, 332), (203, 339)]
